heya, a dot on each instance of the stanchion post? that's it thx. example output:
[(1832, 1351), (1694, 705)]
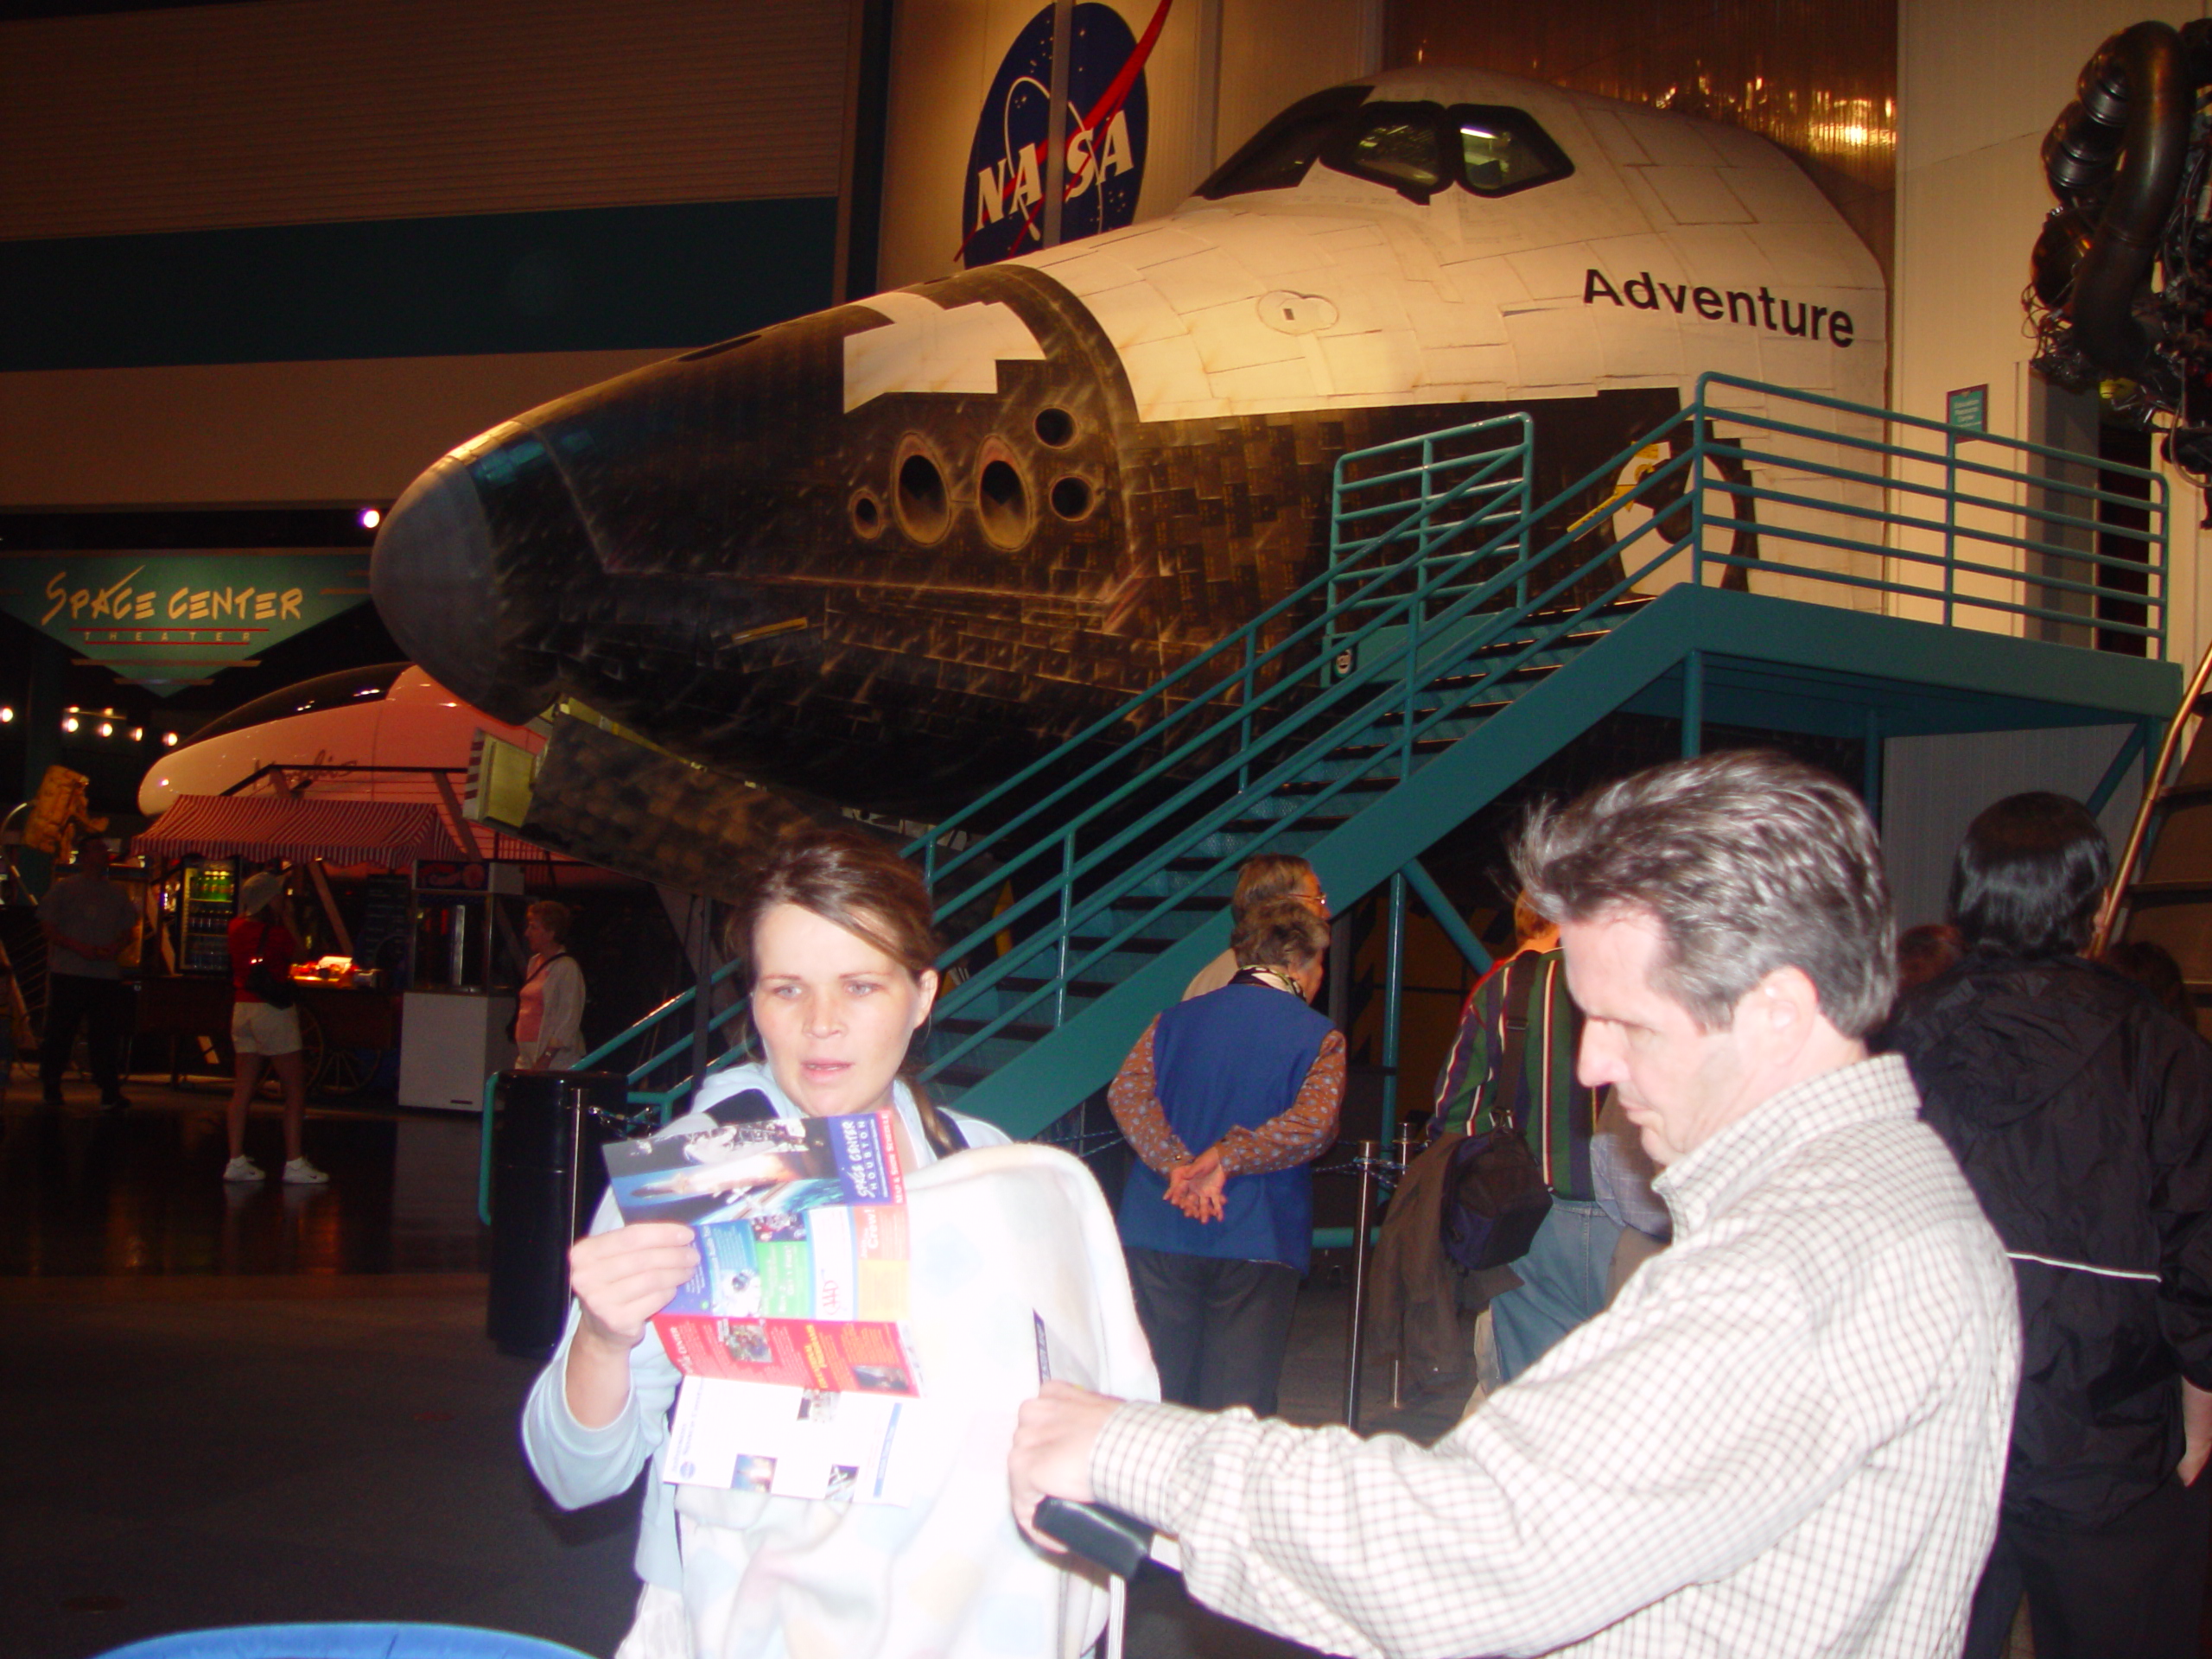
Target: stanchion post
[(1364, 1165)]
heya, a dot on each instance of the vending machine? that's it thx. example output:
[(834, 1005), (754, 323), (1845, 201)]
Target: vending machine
[(207, 902)]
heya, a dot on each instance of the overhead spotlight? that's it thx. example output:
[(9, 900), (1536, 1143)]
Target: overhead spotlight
[(6, 715), (69, 722), (371, 517), (107, 728), (168, 739), (137, 733)]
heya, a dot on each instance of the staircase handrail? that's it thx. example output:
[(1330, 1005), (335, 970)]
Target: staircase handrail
[(1401, 663), (1163, 764), (1245, 635), (1406, 654)]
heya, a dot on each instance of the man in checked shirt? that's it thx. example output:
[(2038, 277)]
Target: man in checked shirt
[(1787, 1433)]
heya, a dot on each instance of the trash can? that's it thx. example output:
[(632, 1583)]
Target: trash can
[(547, 1176), (345, 1642)]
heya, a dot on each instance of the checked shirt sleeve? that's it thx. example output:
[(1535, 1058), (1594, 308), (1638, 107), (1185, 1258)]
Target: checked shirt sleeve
[(1382, 1549), (1133, 1098), (1303, 1130)]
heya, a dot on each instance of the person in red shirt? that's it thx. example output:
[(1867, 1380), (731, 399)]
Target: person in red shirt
[(263, 934)]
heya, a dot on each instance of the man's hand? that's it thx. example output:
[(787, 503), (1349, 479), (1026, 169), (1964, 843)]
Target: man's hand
[(1196, 1188), (2197, 1432), (1052, 1440)]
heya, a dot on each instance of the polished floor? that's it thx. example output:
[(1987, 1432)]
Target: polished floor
[(257, 1404)]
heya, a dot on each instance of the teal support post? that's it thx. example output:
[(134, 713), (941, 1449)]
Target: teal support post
[(1693, 705), (1448, 915), (2137, 746), (1870, 768), (1394, 987)]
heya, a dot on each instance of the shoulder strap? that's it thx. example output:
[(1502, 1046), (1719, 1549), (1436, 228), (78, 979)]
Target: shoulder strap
[(1513, 1023)]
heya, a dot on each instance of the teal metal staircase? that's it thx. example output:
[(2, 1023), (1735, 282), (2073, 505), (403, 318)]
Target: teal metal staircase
[(1451, 646)]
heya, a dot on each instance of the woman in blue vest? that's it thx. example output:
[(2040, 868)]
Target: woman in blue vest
[(1227, 1099)]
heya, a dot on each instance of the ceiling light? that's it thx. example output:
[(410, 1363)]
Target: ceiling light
[(107, 728), (6, 714), (371, 517), (68, 722), (168, 739), (137, 733)]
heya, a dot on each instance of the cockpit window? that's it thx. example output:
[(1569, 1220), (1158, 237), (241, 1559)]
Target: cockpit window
[(338, 690), (1397, 144), (1501, 151), (1280, 155), (1415, 148)]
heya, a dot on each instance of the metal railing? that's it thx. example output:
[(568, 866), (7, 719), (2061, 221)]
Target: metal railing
[(1376, 490), (1760, 486), (1856, 517)]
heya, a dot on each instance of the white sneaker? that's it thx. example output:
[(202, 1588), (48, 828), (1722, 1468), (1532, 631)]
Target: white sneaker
[(299, 1173), (243, 1168)]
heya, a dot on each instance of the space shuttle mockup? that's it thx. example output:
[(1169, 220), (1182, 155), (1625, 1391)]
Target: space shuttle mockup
[(888, 553)]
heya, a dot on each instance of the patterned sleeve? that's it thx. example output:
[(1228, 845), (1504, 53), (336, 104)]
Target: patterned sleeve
[(1134, 1100), (1468, 1068), (1302, 1131)]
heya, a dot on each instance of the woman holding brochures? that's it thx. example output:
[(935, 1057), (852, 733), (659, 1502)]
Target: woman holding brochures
[(775, 1550)]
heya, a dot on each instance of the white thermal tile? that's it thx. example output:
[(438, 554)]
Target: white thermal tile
[(1094, 273), (1492, 280), (1134, 314), (1208, 277), (1554, 346), (1670, 140), (1386, 362), (1635, 345), (1160, 239), (1614, 137), (1286, 385), (928, 349), (1232, 337), (1778, 196), (1164, 372), (1467, 370), (1439, 327), (1558, 273), (1696, 196)]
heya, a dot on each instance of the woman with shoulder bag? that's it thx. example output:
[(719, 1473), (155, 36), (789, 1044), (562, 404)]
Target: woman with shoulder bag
[(549, 1008), (265, 1025)]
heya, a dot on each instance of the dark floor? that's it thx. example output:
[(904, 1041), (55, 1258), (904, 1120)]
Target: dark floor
[(255, 1404)]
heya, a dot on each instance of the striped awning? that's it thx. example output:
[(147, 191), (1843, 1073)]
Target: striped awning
[(266, 828)]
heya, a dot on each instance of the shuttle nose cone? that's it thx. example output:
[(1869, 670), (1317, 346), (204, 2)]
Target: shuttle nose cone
[(431, 577)]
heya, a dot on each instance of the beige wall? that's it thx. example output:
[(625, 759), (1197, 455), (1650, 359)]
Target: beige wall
[(294, 112), (264, 433), (1980, 83)]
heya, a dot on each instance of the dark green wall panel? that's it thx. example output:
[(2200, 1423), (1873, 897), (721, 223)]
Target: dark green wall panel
[(593, 279)]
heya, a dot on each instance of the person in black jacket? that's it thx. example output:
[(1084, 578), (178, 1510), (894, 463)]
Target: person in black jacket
[(2081, 1112)]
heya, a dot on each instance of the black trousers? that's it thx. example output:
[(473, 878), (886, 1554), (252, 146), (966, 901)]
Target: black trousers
[(1219, 1328), (2130, 1589), (104, 1006)]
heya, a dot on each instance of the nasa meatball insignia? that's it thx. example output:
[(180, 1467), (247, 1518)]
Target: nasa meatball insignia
[(1641, 293)]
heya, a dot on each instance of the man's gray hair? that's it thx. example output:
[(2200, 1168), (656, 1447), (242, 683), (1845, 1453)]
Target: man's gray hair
[(1748, 862)]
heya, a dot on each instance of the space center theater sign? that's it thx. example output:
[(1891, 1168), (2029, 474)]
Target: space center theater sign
[(162, 618), (1107, 131)]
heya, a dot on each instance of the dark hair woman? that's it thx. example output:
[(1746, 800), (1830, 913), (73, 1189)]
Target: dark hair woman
[(838, 932)]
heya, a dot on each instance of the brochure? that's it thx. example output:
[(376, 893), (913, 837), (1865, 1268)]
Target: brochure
[(787, 1442), (801, 1226)]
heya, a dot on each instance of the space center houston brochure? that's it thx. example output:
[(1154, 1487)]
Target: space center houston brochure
[(801, 1226)]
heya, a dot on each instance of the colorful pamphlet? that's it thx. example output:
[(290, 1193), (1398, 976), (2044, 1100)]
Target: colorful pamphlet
[(801, 1226)]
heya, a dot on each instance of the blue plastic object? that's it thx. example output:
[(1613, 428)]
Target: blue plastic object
[(344, 1641)]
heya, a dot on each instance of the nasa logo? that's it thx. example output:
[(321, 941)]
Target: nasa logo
[(1003, 208)]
